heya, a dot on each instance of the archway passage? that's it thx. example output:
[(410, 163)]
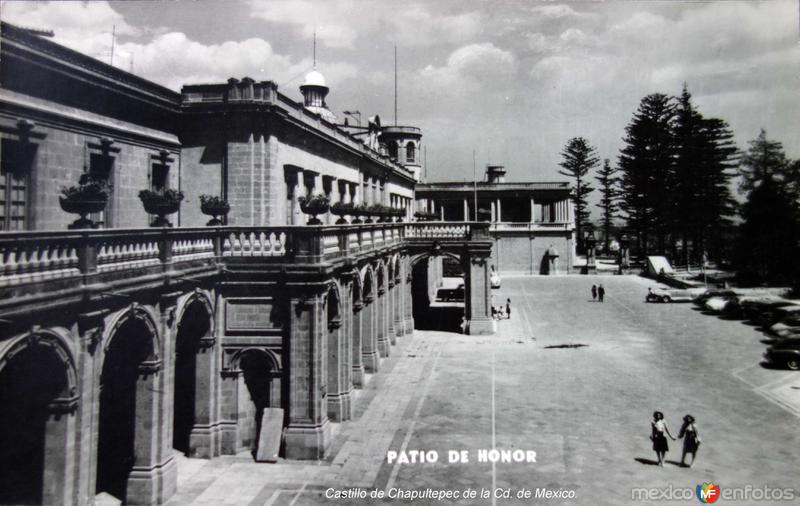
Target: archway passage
[(257, 371), (437, 288), (30, 381), (130, 345), (190, 387)]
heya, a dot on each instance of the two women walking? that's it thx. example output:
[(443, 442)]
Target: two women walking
[(659, 433)]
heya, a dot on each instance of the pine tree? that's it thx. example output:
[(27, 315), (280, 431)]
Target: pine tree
[(609, 195), (764, 159), (579, 157), (646, 167)]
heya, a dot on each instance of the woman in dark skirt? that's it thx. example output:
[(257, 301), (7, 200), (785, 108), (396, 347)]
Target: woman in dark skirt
[(691, 441), (658, 428)]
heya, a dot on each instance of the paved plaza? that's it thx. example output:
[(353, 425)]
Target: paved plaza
[(584, 410)]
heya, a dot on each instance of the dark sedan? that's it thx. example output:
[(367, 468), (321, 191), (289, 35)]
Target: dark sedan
[(786, 352)]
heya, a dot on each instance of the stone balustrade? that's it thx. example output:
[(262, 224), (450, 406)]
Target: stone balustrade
[(35, 257)]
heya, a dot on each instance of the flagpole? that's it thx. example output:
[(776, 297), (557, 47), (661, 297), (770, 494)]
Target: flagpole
[(474, 187)]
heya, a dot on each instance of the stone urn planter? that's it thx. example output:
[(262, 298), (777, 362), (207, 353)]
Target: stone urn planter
[(316, 205), (215, 207), (90, 195), (161, 204), (341, 210)]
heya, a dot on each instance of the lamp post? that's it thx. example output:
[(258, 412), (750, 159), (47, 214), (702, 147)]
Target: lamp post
[(624, 253)]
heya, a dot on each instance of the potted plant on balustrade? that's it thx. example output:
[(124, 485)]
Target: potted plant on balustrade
[(314, 205), (377, 211), (214, 206), (422, 216), (161, 204), (361, 211), (90, 195), (399, 213), (342, 209)]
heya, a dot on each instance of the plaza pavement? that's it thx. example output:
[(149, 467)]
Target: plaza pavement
[(584, 410)]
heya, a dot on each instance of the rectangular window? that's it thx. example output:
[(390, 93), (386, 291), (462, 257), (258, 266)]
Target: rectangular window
[(159, 177), (17, 164), (101, 167)]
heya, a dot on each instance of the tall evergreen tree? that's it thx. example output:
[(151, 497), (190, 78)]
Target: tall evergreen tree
[(769, 235), (763, 159), (579, 157), (609, 195), (705, 157), (645, 164)]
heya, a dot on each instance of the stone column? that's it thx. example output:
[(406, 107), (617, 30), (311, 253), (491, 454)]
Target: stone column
[(408, 305), (478, 297), (308, 434), (499, 211), (466, 210), (380, 323), (59, 450), (358, 360), (369, 334), (229, 411), (203, 441), (399, 286), (493, 209), (533, 210), (338, 398), (391, 332)]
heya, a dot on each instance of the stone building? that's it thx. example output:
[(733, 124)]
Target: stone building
[(532, 224), (126, 348)]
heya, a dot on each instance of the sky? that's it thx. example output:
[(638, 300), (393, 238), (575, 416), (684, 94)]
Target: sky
[(510, 81)]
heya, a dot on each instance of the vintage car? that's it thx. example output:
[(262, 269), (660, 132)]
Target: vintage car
[(786, 352), (751, 306), (667, 295), (788, 327), (701, 299), (779, 315)]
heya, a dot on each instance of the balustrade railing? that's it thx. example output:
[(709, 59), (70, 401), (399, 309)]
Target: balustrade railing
[(27, 257)]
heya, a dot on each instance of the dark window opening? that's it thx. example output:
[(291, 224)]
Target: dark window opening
[(17, 164), (101, 167), (411, 153), (159, 179)]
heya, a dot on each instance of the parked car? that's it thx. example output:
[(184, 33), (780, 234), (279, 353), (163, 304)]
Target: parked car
[(787, 327), (701, 299), (718, 303), (786, 352), (494, 279), (750, 307), (667, 295), (768, 319)]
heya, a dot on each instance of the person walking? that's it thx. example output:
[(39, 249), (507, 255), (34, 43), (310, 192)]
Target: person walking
[(601, 292), (691, 441), (658, 427), (594, 293), (508, 309)]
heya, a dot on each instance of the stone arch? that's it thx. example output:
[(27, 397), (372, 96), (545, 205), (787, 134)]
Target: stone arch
[(39, 395), (368, 284), (258, 391), (194, 378), (130, 394), (134, 313), (411, 152), (333, 304), (423, 256), (357, 291)]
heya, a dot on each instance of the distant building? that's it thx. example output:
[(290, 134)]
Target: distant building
[(532, 224)]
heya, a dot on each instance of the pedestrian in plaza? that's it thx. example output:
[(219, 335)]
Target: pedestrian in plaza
[(601, 292), (594, 293), (691, 441), (508, 309), (658, 427)]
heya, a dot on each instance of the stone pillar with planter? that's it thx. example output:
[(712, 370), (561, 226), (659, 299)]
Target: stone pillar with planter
[(161, 205)]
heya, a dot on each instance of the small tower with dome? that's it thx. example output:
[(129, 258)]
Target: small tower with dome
[(314, 91)]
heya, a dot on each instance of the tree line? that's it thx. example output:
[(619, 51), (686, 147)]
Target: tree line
[(672, 190)]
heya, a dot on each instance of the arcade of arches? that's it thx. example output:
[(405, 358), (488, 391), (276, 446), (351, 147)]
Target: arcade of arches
[(101, 401)]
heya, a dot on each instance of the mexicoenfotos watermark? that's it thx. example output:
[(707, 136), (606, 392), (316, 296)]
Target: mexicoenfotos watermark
[(710, 492)]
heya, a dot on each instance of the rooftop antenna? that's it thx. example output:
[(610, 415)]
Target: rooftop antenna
[(395, 85), (315, 48), (131, 71), (113, 37)]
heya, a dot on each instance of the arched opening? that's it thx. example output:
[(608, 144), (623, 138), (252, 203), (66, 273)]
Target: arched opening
[(411, 152), (123, 385), (191, 377), (438, 292), (257, 374), (30, 381), (369, 318), (392, 147)]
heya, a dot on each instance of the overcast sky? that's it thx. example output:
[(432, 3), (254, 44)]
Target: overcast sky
[(512, 80)]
